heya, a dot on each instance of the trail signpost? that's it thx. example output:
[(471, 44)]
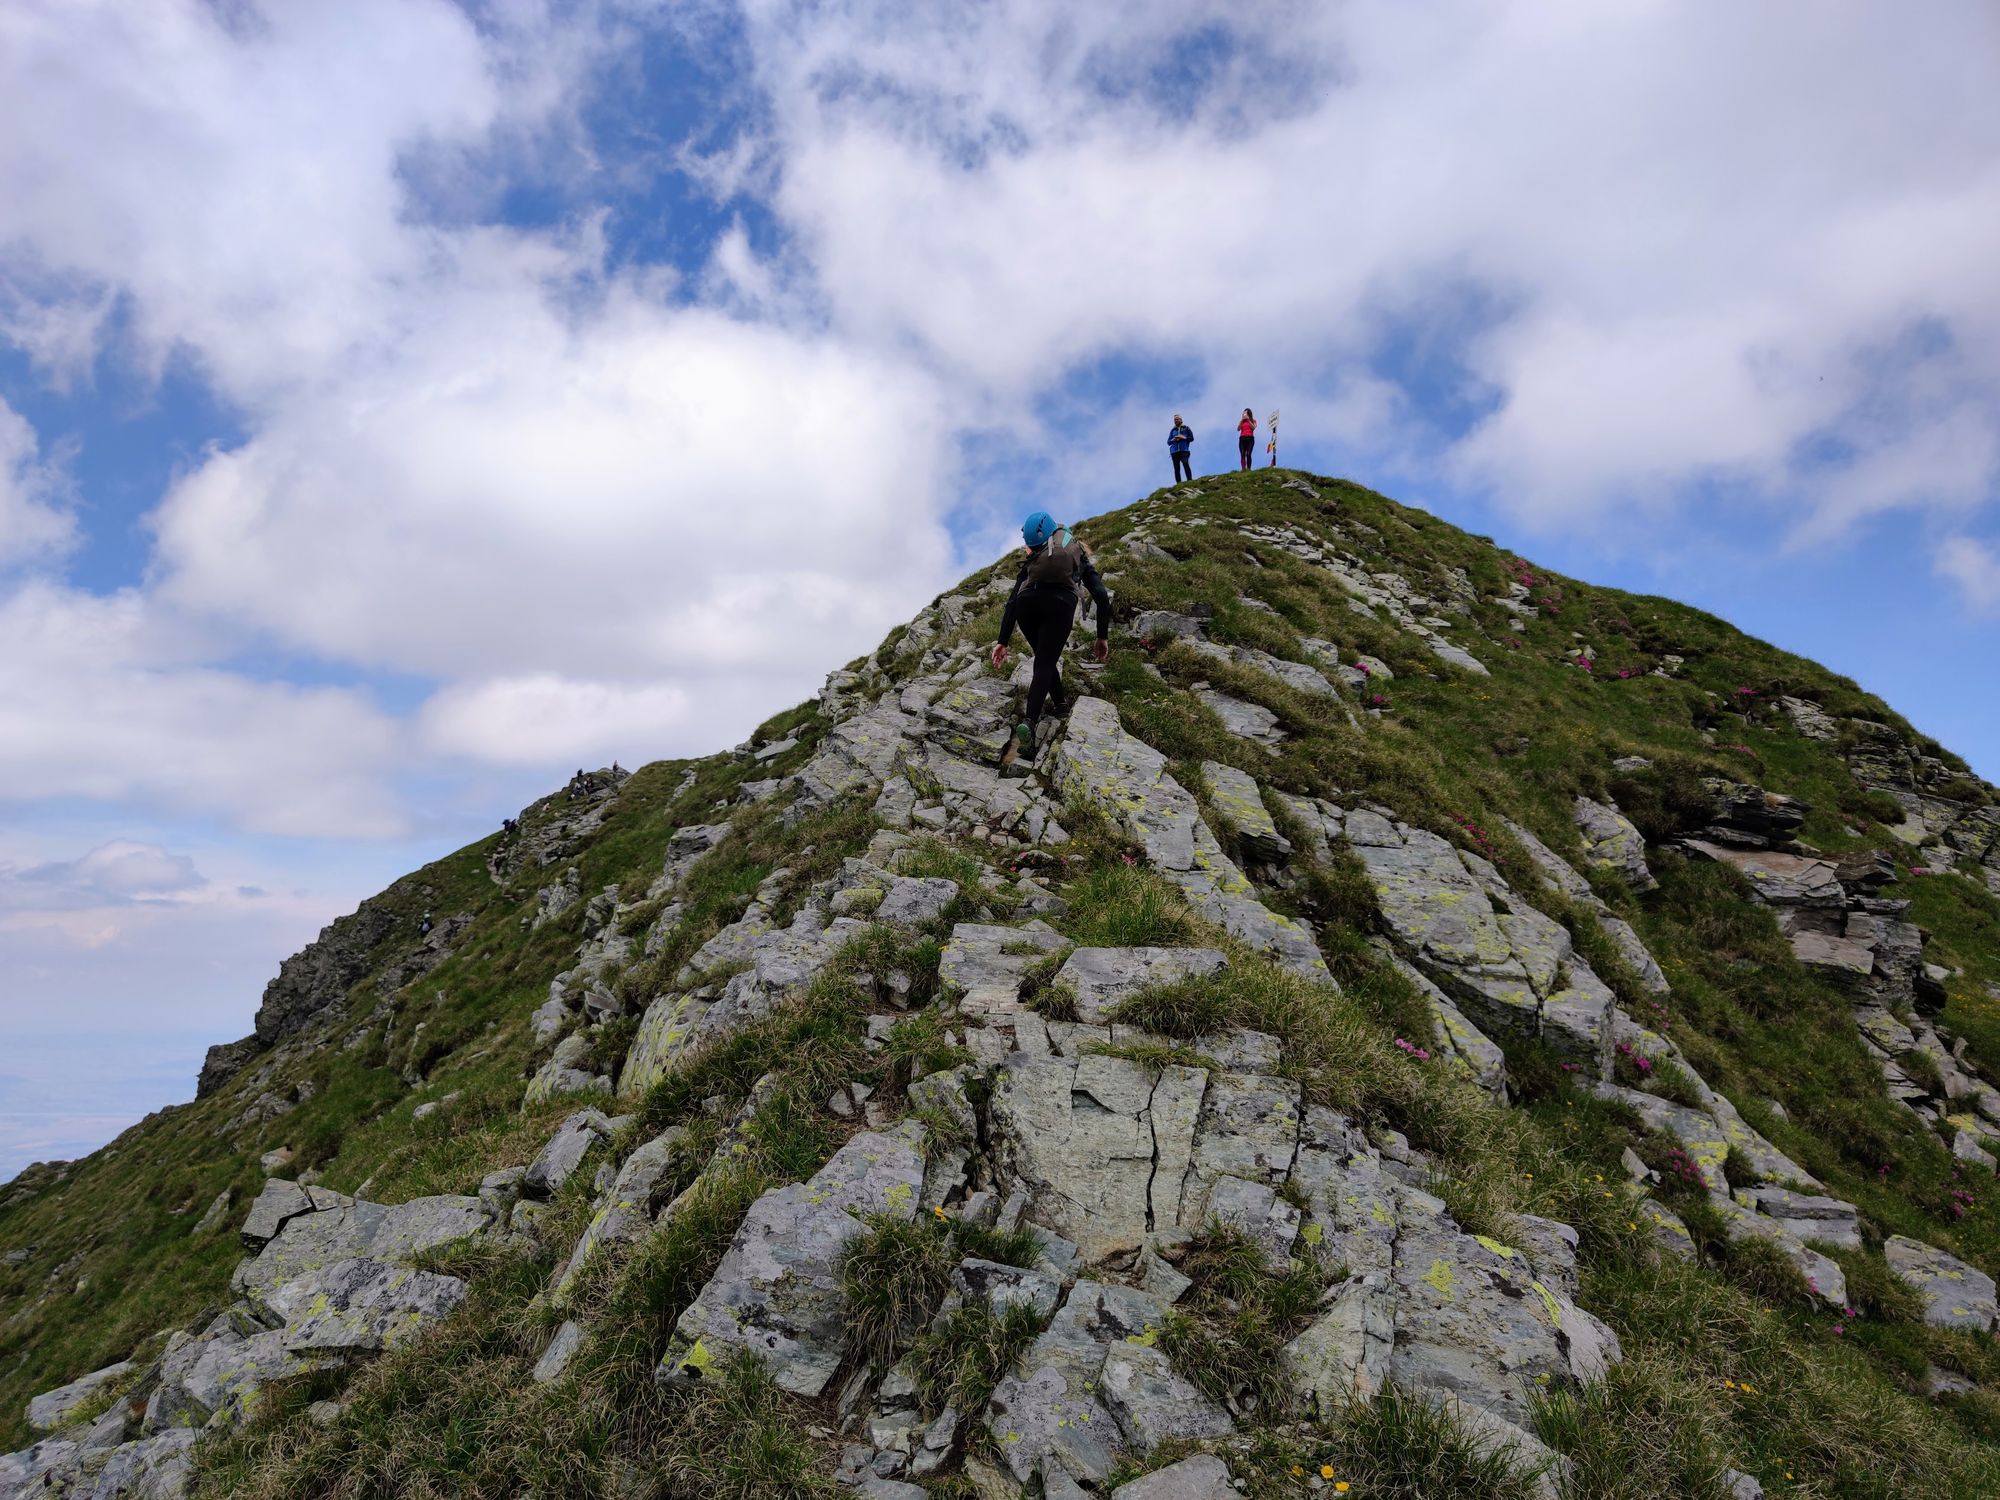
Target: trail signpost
[(1272, 446)]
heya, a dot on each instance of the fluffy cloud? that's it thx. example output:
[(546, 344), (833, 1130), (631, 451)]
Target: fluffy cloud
[(32, 525), (110, 699), (120, 871), (1649, 246), (1975, 567)]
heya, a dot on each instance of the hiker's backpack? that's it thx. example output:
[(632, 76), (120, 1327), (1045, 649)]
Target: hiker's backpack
[(1059, 562)]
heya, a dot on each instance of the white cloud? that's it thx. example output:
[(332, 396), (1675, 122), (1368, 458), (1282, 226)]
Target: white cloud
[(32, 525), (109, 699), (1975, 567), (120, 871), (1676, 248)]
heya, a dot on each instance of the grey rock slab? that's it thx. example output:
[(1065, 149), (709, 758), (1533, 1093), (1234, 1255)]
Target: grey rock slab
[(983, 965), (1000, 1287), (861, 752), (777, 1291), (626, 1212), (53, 1409), (1610, 839), (1102, 977), (278, 1202), (1202, 1477), (1152, 1402), (1344, 1355), (1254, 1209), (356, 1228), (1159, 624), (564, 1152), (562, 1349), (360, 1306), (913, 900), (1806, 1216), (1473, 1321), (775, 1295), (1638, 958), (1825, 1278), (153, 1468), (1779, 879), (1955, 1294), (1247, 721), (219, 1376), (1100, 1145), (1238, 804)]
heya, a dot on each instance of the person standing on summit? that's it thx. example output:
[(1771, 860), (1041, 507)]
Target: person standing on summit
[(1180, 438), (1043, 604), (1246, 437)]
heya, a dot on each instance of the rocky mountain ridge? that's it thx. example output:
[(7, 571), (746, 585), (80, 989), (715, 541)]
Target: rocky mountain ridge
[(1190, 1071)]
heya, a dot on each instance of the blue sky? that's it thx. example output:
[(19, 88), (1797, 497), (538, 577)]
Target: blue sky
[(404, 402)]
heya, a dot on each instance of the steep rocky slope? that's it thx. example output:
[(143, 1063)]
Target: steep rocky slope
[(1420, 1024)]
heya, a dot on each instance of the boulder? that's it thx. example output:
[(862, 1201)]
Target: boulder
[(1240, 808), (564, 1153), (1955, 1294), (1100, 978), (1203, 1477), (360, 1306), (354, 1229), (776, 1294), (55, 1409), (1609, 839)]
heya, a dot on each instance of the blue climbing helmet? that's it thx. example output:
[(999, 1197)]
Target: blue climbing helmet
[(1038, 528)]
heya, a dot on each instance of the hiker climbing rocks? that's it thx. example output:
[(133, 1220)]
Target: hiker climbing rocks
[(1043, 604), (1246, 437), (1180, 438), (424, 927)]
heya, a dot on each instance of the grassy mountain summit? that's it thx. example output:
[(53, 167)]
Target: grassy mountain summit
[(1419, 1018)]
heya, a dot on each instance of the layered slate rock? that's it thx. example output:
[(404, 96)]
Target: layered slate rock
[(1609, 839), (776, 1295), (1103, 978), (1128, 780), (54, 1409), (360, 1306), (626, 1212), (1507, 966), (1093, 1388), (1425, 1305), (349, 1229), (1955, 1294), (1240, 808), (775, 966)]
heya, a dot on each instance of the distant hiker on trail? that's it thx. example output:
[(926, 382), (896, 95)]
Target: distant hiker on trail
[(424, 929), (1043, 604), (1180, 438), (1246, 437)]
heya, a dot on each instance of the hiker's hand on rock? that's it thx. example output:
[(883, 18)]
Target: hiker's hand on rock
[(1102, 649), (999, 657)]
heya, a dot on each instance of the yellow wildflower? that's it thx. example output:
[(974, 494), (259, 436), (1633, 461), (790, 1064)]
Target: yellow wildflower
[(1326, 1471), (1341, 1488)]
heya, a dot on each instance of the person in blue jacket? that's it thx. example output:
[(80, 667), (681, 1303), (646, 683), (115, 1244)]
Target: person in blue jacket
[(1179, 439)]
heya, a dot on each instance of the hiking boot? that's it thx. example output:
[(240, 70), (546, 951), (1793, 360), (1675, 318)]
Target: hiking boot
[(1024, 740)]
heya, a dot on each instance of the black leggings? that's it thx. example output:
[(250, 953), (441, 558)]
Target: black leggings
[(1045, 617), (1183, 467), (1243, 446)]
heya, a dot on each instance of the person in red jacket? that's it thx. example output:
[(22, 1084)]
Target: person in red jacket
[(1246, 436)]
